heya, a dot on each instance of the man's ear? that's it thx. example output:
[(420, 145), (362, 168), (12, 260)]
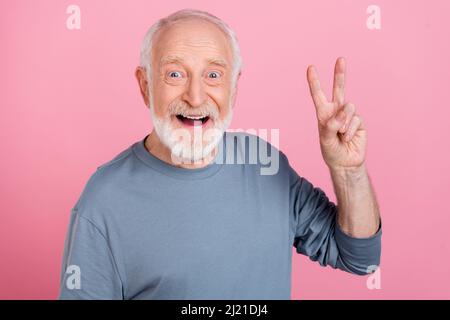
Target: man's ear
[(141, 77)]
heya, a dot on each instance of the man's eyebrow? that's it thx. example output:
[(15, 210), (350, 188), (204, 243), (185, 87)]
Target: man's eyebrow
[(218, 61), (171, 59), (177, 59)]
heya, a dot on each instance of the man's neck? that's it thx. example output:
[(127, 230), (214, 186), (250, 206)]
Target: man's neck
[(154, 146)]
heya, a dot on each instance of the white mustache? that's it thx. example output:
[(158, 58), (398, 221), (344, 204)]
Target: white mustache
[(183, 108)]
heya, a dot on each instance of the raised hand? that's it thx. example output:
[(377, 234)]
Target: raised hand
[(343, 138)]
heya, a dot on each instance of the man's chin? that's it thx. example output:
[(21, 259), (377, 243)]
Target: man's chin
[(200, 137), (181, 138), (188, 154)]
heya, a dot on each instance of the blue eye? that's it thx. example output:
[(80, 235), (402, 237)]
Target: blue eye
[(216, 75), (174, 72)]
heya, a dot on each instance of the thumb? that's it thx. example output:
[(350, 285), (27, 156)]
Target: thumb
[(330, 129)]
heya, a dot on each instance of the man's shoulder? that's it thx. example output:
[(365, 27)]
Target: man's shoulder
[(114, 163), (105, 182)]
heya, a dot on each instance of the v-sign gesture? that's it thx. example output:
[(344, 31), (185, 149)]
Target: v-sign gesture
[(342, 135)]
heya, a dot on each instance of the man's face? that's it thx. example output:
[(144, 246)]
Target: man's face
[(191, 102)]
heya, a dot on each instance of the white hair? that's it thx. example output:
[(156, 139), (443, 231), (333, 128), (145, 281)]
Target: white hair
[(147, 43)]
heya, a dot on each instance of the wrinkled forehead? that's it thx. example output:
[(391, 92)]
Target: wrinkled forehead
[(192, 38)]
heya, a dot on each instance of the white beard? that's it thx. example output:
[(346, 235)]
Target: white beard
[(190, 149)]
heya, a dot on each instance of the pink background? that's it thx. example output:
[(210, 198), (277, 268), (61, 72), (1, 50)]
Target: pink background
[(69, 102)]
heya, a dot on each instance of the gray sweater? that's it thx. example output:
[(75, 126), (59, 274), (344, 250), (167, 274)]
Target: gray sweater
[(144, 229)]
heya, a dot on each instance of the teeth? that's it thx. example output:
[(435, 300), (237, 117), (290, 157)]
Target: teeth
[(194, 117)]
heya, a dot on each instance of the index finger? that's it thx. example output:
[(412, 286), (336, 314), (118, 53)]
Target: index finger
[(317, 94)]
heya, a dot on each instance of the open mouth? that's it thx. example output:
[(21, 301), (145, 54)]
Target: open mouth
[(193, 120)]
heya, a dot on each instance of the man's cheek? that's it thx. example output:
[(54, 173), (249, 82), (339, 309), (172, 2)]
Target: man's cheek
[(161, 106), (224, 110)]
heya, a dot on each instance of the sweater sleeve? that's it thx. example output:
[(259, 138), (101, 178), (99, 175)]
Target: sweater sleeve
[(318, 235), (88, 269)]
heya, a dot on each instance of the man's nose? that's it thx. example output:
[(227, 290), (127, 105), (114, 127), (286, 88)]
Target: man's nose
[(195, 93)]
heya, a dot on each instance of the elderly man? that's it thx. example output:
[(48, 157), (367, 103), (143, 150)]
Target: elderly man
[(169, 218)]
